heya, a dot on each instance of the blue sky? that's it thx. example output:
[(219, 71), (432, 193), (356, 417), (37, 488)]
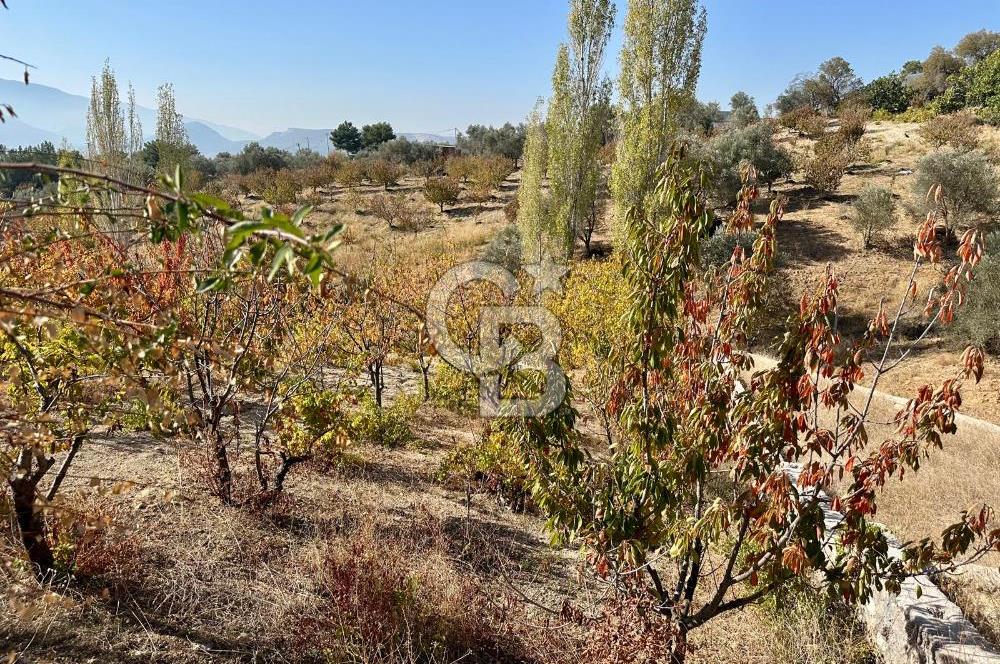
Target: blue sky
[(427, 65)]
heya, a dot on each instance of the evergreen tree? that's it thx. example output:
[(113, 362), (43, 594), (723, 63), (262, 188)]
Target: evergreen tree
[(346, 137), (374, 135)]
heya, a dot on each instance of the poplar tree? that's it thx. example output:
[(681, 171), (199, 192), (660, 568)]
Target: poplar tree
[(660, 64), (533, 216), (575, 119), (114, 135), (172, 141)]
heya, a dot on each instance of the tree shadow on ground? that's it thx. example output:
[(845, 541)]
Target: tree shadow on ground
[(802, 243)]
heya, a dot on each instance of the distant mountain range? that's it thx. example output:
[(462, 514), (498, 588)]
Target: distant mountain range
[(49, 114)]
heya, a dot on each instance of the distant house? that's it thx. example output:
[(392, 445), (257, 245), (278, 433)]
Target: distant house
[(447, 150)]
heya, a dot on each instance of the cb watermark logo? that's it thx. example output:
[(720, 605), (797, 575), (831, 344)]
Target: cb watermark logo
[(499, 353)]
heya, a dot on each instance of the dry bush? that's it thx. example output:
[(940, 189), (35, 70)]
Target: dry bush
[(350, 174), (511, 209), (460, 167), (442, 191), (874, 212), (809, 628), (853, 118), (825, 169), (323, 174), (399, 597), (427, 168), (384, 172), (283, 188), (804, 120), (399, 212), (959, 130)]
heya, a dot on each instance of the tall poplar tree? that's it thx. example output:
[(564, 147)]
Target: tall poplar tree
[(575, 118), (533, 218), (172, 143), (660, 64)]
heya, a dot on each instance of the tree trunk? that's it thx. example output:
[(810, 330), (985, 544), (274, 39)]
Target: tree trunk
[(31, 523), (678, 648), (223, 473)]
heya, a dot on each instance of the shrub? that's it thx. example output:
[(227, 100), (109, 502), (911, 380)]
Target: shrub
[(958, 130), (505, 249), (825, 169), (397, 211), (384, 172), (853, 118), (889, 94), (874, 212), (405, 151), (460, 167), (281, 188), (804, 120), (442, 191), (979, 322), (494, 465), (922, 114), (755, 145), (387, 426), (510, 210), (489, 174), (350, 174), (966, 188), (717, 251), (454, 390), (427, 168)]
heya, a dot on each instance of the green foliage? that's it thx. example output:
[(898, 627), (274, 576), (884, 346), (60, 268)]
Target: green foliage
[(314, 422), (505, 249), (404, 151), (454, 390), (660, 63), (253, 157), (387, 426), (965, 185), (347, 137), (833, 84), (442, 191), (11, 181), (979, 321), (939, 66), (173, 149), (533, 215), (575, 122), (506, 141), (977, 46), (888, 93), (754, 145), (717, 250), (743, 110), (494, 464), (874, 212), (374, 135)]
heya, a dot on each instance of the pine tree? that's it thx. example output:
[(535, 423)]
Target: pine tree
[(660, 64), (575, 119)]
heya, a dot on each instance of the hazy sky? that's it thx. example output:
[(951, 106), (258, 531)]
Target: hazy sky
[(428, 65)]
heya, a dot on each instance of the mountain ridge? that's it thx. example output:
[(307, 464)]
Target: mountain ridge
[(48, 113)]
